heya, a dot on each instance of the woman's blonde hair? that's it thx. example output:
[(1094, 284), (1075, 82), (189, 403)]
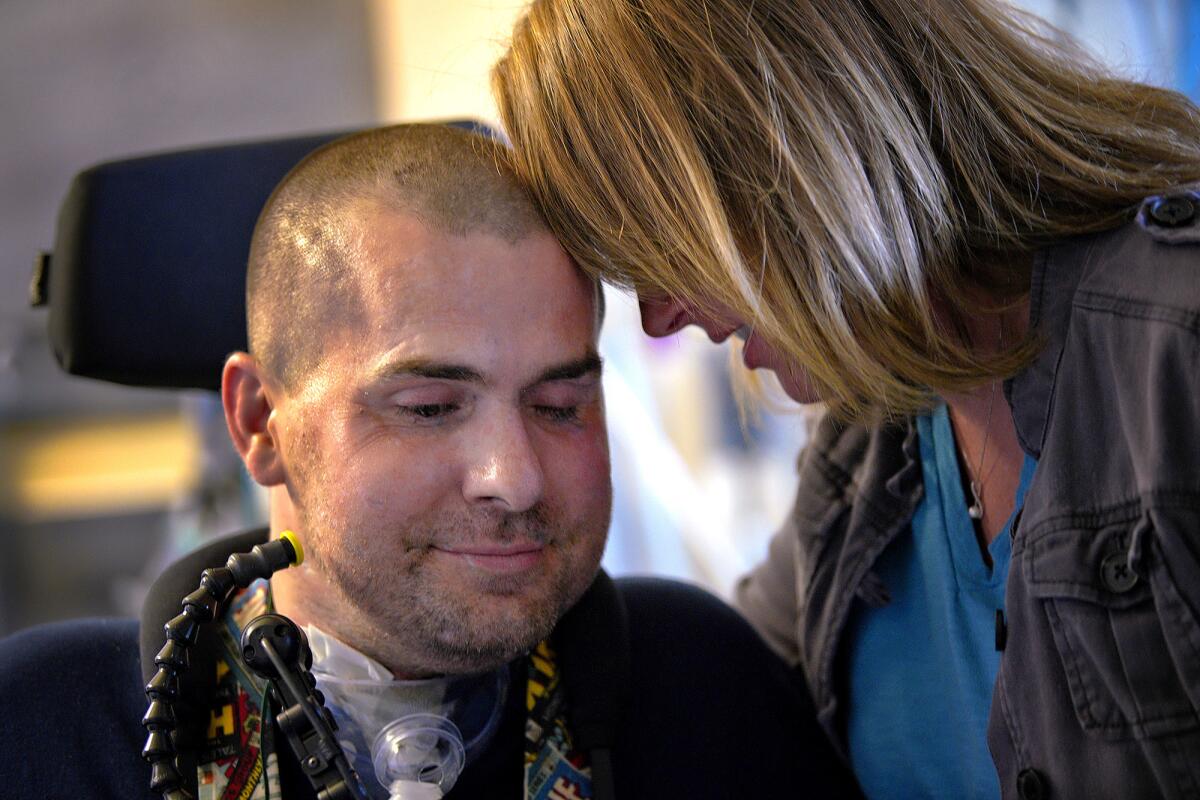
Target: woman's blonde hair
[(832, 170)]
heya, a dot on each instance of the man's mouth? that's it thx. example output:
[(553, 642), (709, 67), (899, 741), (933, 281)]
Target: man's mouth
[(501, 558)]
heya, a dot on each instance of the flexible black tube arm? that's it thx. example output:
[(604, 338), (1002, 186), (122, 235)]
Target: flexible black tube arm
[(200, 607)]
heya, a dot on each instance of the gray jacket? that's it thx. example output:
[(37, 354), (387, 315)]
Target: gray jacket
[(1099, 688)]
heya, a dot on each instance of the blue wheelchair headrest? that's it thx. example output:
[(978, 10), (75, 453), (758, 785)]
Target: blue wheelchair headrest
[(146, 283)]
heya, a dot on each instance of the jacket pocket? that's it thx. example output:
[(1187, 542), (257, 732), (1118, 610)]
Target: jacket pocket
[(1126, 635)]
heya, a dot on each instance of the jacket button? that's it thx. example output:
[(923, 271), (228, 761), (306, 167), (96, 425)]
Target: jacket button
[(1031, 785), (1173, 211), (1118, 578)]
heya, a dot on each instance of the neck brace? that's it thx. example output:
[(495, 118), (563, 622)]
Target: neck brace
[(408, 740)]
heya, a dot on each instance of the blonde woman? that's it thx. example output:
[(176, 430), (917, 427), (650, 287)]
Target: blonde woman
[(982, 254)]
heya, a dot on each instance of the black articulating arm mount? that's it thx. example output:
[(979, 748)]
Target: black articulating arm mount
[(277, 650), (202, 606)]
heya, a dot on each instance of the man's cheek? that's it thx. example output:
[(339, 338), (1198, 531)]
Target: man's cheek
[(373, 500), (381, 485), (584, 469), (584, 487)]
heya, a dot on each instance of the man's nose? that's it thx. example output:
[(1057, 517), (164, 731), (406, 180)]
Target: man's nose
[(663, 316), (506, 471)]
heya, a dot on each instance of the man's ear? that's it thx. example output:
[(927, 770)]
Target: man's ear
[(248, 406)]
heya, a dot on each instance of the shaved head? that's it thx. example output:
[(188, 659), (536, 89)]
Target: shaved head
[(302, 277)]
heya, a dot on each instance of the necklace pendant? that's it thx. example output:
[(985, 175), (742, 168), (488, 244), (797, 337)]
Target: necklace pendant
[(975, 510)]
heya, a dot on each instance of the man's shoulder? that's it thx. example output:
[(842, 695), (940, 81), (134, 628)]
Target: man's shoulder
[(47, 665), (642, 625), (713, 712), (72, 700), (663, 610), (685, 642)]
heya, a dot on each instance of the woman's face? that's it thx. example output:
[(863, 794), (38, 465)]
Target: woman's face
[(662, 316)]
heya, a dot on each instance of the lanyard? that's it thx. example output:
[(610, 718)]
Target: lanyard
[(554, 770), (238, 760)]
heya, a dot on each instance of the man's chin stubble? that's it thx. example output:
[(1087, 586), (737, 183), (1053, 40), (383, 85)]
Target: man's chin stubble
[(475, 634)]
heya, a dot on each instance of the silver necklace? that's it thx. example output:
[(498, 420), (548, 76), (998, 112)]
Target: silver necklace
[(975, 510)]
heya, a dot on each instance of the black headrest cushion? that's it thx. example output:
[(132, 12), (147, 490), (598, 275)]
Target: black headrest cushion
[(146, 284)]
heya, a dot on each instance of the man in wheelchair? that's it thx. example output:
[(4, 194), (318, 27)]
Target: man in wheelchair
[(422, 400)]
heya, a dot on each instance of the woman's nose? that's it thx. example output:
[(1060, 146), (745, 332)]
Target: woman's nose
[(662, 316)]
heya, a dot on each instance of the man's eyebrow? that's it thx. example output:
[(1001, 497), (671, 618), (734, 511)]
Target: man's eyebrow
[(436, 370), (423, 368), (571, 370)]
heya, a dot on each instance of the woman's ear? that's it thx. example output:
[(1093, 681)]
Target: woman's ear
[(248, 405)]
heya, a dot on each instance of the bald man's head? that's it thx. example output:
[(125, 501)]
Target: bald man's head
[(302, 277)]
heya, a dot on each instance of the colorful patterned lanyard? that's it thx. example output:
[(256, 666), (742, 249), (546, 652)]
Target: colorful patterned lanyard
[(554, 770), (239, 762)]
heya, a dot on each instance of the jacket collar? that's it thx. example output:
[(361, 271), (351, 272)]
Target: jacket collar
[(1056, 275)]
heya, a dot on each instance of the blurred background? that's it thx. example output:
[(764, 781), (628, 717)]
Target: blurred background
[(102, 485)]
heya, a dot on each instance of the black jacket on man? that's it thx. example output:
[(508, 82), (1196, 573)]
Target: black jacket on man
[(666, 685)]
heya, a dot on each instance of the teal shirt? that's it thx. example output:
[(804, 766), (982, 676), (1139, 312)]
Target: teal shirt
[(921, 668)]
